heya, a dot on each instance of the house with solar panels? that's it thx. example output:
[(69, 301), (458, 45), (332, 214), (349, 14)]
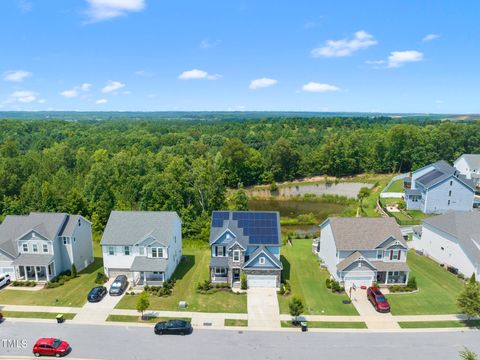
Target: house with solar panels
[(439, 187), (246, 242)]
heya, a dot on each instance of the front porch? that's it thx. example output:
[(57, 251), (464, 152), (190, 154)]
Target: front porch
[(392, 277), (38, 268), (150, 278)]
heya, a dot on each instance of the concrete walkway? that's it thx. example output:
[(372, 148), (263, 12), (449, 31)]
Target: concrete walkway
[(48, 309), (263, 309), (368, 314)]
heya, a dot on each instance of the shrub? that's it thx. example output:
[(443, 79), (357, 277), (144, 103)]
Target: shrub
[(28, 283), (335, 286), (74, 271), (273, 186), (204, 286), (243, 281), (461, 276), (412, 283), (287, 287), (328, 283), (296, 307), (101, 278)]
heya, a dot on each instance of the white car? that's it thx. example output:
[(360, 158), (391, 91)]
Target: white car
[(4, 280)]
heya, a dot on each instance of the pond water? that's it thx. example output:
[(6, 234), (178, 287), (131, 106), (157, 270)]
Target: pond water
[(348, 189)]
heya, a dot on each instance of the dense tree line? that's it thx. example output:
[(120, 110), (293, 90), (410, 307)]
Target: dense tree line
[(92, 167)]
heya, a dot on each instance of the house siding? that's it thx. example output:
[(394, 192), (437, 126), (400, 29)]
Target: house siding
[(437, 197), (328, 250), (82, 245)]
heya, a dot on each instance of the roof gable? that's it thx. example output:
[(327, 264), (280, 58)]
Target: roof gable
[(270, 260)]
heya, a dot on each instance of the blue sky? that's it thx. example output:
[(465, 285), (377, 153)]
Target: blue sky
[(155, 55)]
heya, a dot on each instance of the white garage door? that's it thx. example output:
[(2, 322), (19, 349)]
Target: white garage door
[(113, 273), (8, 271), (263, 281), (358, 281)]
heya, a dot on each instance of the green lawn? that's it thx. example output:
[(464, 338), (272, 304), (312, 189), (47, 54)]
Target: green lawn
[(73, 293), (438, 290), (329, 324), (235, 322), (397, 186), (36, 315), (301, 268), (438, 324), (369, 207), (194, 269), (134, 318)]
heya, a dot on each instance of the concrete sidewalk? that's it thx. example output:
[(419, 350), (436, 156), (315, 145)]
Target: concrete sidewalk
[(49, 309)]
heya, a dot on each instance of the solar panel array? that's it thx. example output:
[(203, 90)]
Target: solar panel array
[(260, 227), (218, 217)]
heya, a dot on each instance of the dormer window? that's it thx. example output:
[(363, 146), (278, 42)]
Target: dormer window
[(379, 254), (261, 260), (35, 248), (157, 252), (25, 247)]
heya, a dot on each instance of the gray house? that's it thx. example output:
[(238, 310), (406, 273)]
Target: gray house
[(439, 187), (248, 242), (39, 246)]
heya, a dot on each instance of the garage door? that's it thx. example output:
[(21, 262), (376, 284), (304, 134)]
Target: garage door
[(262, 281), (358, 281), (112, 273), (8, 271)]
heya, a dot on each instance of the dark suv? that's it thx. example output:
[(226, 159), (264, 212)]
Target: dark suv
[(119, 285), (377, 299)]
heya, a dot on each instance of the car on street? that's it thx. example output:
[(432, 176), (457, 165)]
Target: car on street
[(174, 327), (119, 285), (4, 280), (97, 294), (378, 300), (51, 347)]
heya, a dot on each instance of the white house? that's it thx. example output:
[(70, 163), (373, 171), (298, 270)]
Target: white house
[(39, 246), (469, 165), (146, 246), (361, 251), (438, 188), (452, 239)]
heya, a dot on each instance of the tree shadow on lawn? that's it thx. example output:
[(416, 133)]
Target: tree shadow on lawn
[(286, 268), (93, 267), (186, 264)]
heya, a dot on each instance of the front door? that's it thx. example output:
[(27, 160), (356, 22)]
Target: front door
[(381, 277), (236, 275)]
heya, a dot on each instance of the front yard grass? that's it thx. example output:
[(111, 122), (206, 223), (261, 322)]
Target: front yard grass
[(439, 324), (235, 322), (135, 318), (302, 270), (191, 271), (36, 315), (438, 290), (329, 324), (72, 293)]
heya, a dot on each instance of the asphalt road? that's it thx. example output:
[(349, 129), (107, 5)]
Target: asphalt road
[(124, 342)]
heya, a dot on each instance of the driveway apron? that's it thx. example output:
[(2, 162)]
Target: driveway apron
[(263, 309)]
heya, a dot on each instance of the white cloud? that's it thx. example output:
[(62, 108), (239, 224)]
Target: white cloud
[(112, 86), (430, 37), (262, 83), (16, 75), (318, 87), (196, 74), (69, 94), (438, 102), (42, 101), (208, 44), (345, 47), (85, 87), (101, 101), (22, 96), (399, 58), (99, 10)]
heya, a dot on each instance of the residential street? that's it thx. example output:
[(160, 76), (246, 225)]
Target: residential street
[(123, 342)]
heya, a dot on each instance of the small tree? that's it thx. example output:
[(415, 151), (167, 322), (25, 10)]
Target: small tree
[(143, 302), (296, 308), (412, 283), (241, 199), (467, 354), (74, 271), (469, 298), (243, 281), (362, 194)]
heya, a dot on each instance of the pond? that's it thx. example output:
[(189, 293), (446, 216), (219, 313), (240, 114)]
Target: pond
[(348, 189)]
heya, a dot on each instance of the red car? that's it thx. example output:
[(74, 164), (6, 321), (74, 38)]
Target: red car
[(51, 347), (377, 299)]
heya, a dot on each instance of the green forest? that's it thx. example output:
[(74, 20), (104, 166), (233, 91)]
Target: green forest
[(91, 167)]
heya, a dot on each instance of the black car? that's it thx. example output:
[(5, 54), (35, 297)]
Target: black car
[(176, 327), (97, 294), (119, 285)]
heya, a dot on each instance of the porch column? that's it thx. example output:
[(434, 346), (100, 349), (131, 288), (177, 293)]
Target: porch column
[(36, 275), (406, 278), (386, 277), (25, 272), (144, 278)]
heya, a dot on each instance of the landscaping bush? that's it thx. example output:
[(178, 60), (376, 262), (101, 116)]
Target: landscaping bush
[(328, 283), (101, 278), (243, 281), (74, 271), (29, 283), (285, 288), (204, 287), (335, 286), (412, 283)]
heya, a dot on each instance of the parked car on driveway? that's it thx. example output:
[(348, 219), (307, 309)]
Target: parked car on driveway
[(119, 285), (97, 294), (378, 300), (51, 347), (4, 280), (175, 327)]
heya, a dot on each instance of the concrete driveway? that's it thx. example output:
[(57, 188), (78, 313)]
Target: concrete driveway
[(374, 319), (263, 309)]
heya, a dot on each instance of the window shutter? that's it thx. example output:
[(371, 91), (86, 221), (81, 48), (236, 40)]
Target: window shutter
[(391, 254), (216, 251), (399, 253)]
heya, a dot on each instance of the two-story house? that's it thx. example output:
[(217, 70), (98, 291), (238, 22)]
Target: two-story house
[(146, 246), (361, 251), (439, 187), (39, 246), (469, 165), (248, 242)]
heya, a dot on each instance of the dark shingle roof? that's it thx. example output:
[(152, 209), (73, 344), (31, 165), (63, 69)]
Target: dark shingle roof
[(33, 260), (440, 172), (143, 263), (219, 261)]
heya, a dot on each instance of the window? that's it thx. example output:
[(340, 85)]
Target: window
[(65, 240), (45, 248), (450, 193), (111, 250), (157, 252), (451, 182), (442, 248), (126, 250), (35, 248), (261, 260), (154, 252), (220, 271), (220, 251), (25, 247), (141, 250), (379, 254), (236, 255), (395, 254), (448, 202)]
